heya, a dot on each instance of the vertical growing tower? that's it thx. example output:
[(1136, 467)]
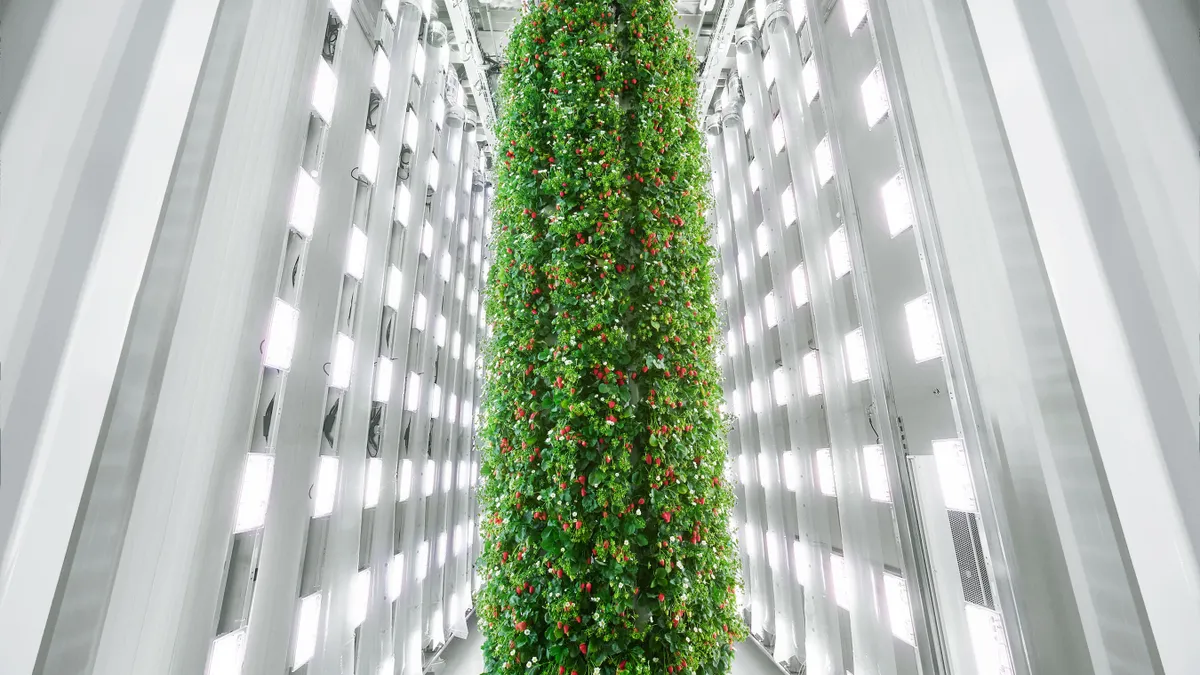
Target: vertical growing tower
[(605, 509)]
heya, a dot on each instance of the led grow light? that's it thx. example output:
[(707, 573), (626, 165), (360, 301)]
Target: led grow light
[(744, 470), (343, 361), (895, 589), (923, 328), (743, 265), (369, 164), (227, 653), (383, 380), (403, 204), (989, 641), (779, 385), (770, 311), (281, 336), (374, 482), (791, 470), (412, 397), (452, 409), (439, 330), (856, 12), (726, 287), (773, 560), (755, 175), (444, 266), (731, 343), (839, 253), (825, 472), (812, 79), (358, 598), (800, 555), (307, 621), (422, 560), (429, 478), (404, 482), (762, 239), (858, 367), (412, 128), (382, 72), (356, 253), (840, 576), (757, 402), (395, 578), (787, 202), (435, 170), (325, 490), (824, 159), (255, 492), (419, 63), (304, 204), (812, 373), (476, 252), (875, 466), (954, 475), (435, 402), (799, 286), (427, 240), (777, 137), (469, 355), (441, 549), (874, 97), (420, 312), (324, 91), (447, 473), (749, 329), (458, 542), (896, 205), (455, 345)]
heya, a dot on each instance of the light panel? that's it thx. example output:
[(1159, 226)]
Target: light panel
[(427, 240), (825, 480), (791, 470), (255, 492), (412, 397), (779, 385), (358, 598), (383, 380), (422, 560), (403, 204), (324, 91), (954, 475), (874, 97), (923, 329), (839, 253), (343, 361), (412, 127), (989, 640), (856, 13), (812, 373), (476, 252), (420, 312), (778, 139), (755, 174), (374, 482), (441, 549), (824, 159), (393, 291), (369, 164), (281, 336), (395, 579), (429, 477), (875, 466), (840, 576), (439, 330), (762, 239), (303, 214), (857, 365), (448, 467), (381, 72), (757, 401), (325, 490), (435, 170), (444, 266), (227, 653), (308, 619), (770, 311), (356, 253), (811, 78), (799, 286), (435, 402), (455, 345), (895, 590), (897, 206), (404, 482), (748, 328), (787, 203), (419, 62)]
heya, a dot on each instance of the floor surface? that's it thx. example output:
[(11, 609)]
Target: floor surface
[(464, 658)]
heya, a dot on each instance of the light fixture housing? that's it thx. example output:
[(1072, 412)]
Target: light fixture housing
[(303, 215), (374, 482), (381, 72), (324, 95), (255, 492), (923, 329), (356, 253), (308, 619), (874, 97), (823, 155), (857, 364), (369, 163), (325, 490), (875, 467), (343, 361)]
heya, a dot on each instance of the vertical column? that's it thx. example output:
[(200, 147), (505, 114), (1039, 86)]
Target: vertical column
[(95, 133), (732, 366)]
